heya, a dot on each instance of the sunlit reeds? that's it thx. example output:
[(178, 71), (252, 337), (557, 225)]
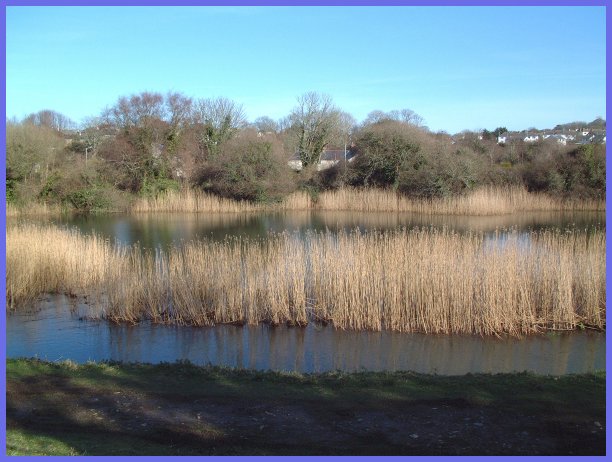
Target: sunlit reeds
[(424, 280), (32, 209), (484, 201), (190, 200)]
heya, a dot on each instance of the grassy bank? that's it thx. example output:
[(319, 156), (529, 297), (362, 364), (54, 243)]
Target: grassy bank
[(484, 201), (413, 281), (181, 409)]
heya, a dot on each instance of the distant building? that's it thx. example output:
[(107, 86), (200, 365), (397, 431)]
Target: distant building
[(531, 138), (329, 158), (560, 139)]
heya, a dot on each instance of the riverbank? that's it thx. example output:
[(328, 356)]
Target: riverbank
[(486, 201), (181, 409)]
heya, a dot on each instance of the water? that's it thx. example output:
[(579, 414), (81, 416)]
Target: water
[(164, 230), (55, 333)]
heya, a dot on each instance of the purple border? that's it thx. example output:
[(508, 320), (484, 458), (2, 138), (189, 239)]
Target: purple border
[(3, 246), (608, 235), (14, 3), (306, 3)]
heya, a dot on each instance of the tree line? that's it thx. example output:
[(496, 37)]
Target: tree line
[(149, 143)]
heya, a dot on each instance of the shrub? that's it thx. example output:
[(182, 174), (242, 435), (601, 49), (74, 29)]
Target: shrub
[(248, 168)]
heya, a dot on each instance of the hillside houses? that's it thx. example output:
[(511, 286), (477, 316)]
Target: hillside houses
[(564, 138)]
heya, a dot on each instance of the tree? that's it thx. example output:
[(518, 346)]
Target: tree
[(217, 121), (141, 152), (265, 125), (315, 121), (31, 151), (407, 116), (248, 167), (135, 111), (384, 149), (499, 131), (50, 119), (178, 109)]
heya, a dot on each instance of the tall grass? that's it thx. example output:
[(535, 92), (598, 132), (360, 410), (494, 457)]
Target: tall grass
[(190, 200), (426, 280), (484, 201), (32, 209)]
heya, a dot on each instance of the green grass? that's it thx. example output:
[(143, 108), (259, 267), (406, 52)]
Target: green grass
[(63, 409)]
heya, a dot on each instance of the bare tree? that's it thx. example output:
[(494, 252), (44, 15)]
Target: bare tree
[(407, 116), (91, 134), (346, 127), (375, 117), (265, 124), (410, 117), (136, 110), (217, 121), (50, 119), (178, 111), (315, 122)]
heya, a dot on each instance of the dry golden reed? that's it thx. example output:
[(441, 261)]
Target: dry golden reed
[(33, 209), (484, 201), (424, 280), (190, 200)]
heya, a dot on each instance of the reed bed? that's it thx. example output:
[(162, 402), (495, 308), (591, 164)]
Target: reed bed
[(425, 280), (33, 209), (189, 200), (484, 201)]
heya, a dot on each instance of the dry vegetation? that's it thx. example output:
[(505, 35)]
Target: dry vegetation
[(413, 281), (485, 201), (33, 209), (190, 200)]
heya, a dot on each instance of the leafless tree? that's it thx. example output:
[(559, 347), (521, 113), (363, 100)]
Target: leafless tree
[(407, 116), (265, 124), (50, 119), (178, 111), (315, 122), (136, 110), (217, 121)]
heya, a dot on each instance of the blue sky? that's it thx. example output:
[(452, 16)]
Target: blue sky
[(458, 67)]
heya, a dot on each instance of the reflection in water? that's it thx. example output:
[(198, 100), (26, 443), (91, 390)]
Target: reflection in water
[(153, 230), (54, 333)]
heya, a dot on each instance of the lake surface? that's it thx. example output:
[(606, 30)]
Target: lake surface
[(54, 330), (166, 229), (57, 333)]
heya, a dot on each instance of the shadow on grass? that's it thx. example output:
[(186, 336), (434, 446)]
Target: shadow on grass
[(182, 409)]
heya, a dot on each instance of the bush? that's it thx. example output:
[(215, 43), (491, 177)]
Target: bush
[(416, 163), (248, 168), (152, 187)]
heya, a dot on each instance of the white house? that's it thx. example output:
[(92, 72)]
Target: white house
[(329, 158)]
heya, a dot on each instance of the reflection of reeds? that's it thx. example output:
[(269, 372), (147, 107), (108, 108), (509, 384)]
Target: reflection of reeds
[(423, 280), (484, 201)]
